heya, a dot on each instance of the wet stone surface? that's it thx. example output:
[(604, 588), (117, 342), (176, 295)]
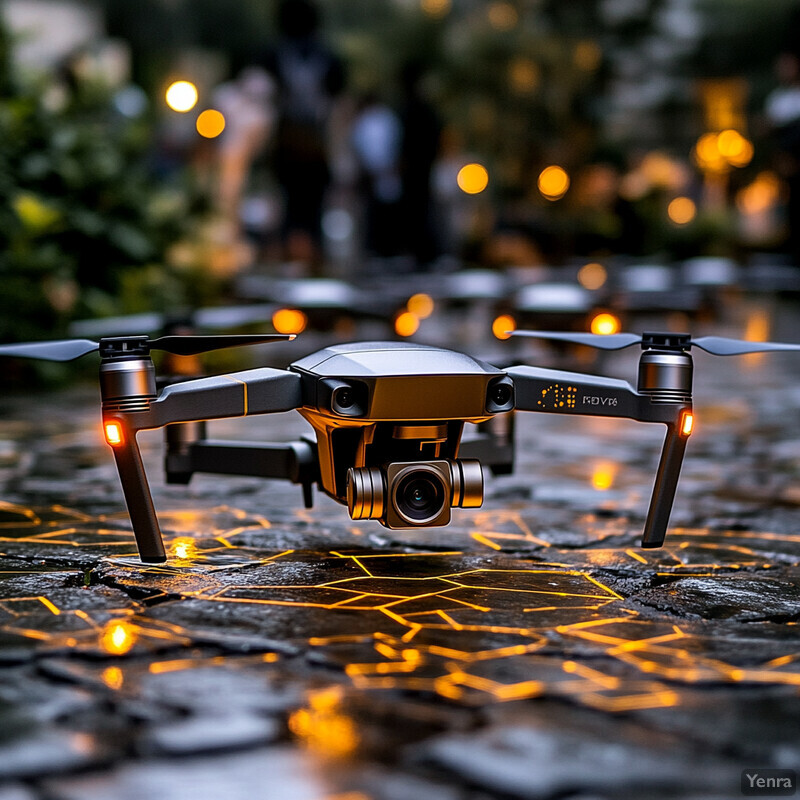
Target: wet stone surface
[(529, 650)]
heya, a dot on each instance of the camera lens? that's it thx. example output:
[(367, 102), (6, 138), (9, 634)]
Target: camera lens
[(344, 398), (420, 496), (501, 394)]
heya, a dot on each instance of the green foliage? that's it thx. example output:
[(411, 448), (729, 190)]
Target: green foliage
[(82, 214)]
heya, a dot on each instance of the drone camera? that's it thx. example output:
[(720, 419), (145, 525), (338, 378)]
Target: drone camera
[(500, 395), (414, 494), (347, 399)]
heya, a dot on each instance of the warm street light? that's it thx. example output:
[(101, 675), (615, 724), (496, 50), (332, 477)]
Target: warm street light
[(553, 182), (210, 123), (181, 96), (473, 178)]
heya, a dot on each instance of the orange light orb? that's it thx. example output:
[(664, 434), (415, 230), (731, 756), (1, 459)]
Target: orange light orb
[(592, 276), (682, 210), (435, 8), (289, 320), (503, 326), (406, 324), (502, 15), (118, 637), (605, 324), (420, 304), (473, 178), (210, 123), (553, 182)]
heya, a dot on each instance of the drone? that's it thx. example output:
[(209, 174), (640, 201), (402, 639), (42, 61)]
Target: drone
[(388, 418)]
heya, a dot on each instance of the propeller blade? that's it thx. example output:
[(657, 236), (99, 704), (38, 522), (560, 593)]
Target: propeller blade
[(59, 350), (195, 345), (613, 341), (722, 346)]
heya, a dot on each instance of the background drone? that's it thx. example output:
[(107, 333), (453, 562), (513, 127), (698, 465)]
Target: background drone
[(388, 418)]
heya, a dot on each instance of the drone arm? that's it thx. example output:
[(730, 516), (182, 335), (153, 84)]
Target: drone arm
[(551, 390), (669, 470), (564, 392), (555, 391), (294, 461), (136, 490), (256, 391)]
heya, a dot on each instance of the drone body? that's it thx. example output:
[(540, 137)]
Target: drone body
[(388, 418)]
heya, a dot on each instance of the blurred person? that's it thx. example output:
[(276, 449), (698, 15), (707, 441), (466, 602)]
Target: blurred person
[(422, 131), (248, 106), (376, 138), (309, 77)]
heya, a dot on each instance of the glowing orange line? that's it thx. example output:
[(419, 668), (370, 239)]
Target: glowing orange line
[(447, 618), (590, 624), (391, 615), (634, 555), (86, 618), (483, 540), (446, 594), (409, 635)]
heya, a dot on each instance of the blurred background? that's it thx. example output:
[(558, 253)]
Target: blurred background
[(298, 165)]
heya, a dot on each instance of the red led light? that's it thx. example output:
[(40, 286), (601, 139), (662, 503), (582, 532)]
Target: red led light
[(687, 423)]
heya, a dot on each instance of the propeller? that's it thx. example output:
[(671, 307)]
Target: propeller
[(70, 349), (716, 345)]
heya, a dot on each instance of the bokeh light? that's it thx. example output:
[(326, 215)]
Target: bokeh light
[(117, 637), (682, 210), (592, 276), (436, 8), (503, 326), (182, 96), (760, 195), (421, 305), (502, 15), (587, 55), (406, 324), (605, 324), (473, 178), (289, 320), (523, 75), (113, 677), (718, 152), (210, 123), (553, 182), (604, 474), (743, 156), (323, 726), (730, 143)]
